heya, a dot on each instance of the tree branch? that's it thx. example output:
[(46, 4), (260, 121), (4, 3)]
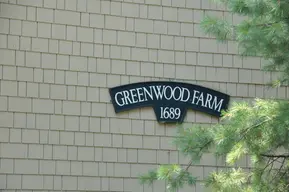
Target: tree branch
[(277, 156), (247, 129), (201, 148)]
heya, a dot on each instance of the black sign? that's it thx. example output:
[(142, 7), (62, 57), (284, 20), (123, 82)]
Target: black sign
[(170, 100)]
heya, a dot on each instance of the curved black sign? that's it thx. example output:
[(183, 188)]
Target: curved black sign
[(170, 100)]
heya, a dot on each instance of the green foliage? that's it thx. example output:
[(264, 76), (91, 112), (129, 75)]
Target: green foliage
[(194, 142), (233, 180), (175, 176), (224, 31), (258, 130), (263, 32)]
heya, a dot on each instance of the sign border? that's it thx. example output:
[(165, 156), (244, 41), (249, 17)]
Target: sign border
[(140, 105)]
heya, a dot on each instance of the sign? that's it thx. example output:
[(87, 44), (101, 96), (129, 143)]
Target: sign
[(170, 100)]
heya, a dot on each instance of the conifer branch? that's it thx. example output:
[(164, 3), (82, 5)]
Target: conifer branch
[(255, 130), (270, 162), (279, 171), (189, 165), (277, 156), (201, 148)]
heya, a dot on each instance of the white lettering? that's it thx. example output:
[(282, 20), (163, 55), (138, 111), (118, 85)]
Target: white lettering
[(217, 106), (133, 95), (201, 98), (140, 94), (149, 93), (194, 96), (126, 97), (158, 92), (183, 93), (170, 113), (208, 100), (170, 93), (116, 99), (174, 93)]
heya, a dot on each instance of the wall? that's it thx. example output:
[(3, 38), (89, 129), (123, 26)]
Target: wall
[(59, 131)]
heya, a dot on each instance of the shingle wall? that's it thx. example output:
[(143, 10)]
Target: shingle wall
[(58, 129)]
